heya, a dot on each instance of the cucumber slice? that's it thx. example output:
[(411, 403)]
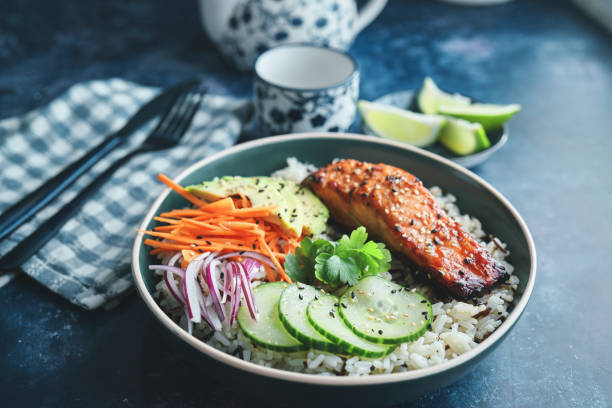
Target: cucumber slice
[(384, 312), (268, 331), (292, 313), (324, 316)]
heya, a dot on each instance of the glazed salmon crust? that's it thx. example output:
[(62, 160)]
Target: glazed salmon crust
[(395, 206)]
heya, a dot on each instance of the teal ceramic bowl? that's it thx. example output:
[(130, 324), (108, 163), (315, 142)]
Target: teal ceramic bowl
[(263, 156)]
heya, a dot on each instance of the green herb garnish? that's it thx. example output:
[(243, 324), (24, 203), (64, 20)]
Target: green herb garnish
[(338, 262)]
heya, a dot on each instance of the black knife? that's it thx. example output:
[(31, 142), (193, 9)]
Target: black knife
[(20, 212)]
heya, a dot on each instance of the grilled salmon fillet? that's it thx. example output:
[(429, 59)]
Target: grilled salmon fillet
[(395, 206)]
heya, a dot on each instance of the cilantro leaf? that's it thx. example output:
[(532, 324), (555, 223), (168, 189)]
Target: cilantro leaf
[(338, 263)]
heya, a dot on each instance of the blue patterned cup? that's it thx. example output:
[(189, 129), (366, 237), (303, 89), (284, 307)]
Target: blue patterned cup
[(305, 88)]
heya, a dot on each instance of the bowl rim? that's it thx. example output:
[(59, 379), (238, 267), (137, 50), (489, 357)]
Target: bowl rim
[(314, 379)]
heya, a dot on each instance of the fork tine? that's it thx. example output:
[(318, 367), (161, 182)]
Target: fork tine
[(187, 116), (168, 115)]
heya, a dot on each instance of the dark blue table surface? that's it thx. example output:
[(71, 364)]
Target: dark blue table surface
[(556, 169)]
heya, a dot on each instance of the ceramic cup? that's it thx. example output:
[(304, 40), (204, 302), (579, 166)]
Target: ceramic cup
[(242, 29), (305, 88)]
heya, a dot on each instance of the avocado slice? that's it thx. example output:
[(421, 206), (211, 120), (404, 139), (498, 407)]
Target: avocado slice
[(262, 191), (315, 212)]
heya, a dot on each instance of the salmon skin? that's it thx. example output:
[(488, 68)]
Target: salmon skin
[(395, 206)]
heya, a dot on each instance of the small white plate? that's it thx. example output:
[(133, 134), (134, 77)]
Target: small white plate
[(404, 100)]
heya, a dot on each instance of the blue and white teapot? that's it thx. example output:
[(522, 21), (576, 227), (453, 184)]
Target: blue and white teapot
[(243, 29)]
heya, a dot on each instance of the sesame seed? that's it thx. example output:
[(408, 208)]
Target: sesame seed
[(380, 332), (301, 297), (406, 315), (370, 309), (413, 323)]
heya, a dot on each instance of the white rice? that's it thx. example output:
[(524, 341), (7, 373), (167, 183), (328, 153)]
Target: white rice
[(457, 326)]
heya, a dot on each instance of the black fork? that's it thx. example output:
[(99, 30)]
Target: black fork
[(168, 132)]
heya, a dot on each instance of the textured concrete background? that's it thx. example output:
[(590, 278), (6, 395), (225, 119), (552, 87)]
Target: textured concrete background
[(556, 169)]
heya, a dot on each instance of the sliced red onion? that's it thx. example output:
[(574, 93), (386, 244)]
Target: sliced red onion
[(211, 281), (228, 278), (251, 266), (170, 283), (250, 254), (172, 288), (192, 290), (174, 269), (174, 258), (208, 315), (248, 292), (192, 287), (214, 322), (235, 298)]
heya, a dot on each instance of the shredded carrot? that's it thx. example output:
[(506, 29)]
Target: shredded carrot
[(225, 225), (180, 190)]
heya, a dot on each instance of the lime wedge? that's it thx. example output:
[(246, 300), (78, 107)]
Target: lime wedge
[(393, 123), (490, 116), (430, 97), (463, 137)]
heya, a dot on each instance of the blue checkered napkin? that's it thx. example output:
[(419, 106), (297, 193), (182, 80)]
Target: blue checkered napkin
[(88, 262)]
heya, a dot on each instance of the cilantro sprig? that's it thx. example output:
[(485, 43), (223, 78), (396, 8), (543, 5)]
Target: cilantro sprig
[(338, 262)]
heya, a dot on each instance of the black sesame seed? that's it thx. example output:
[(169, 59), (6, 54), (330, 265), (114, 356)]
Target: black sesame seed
[(364, 194), (393, 291), (331, 314), (301, 297), (256, 221), (433, 231), (461, 273), (336, 305), (436, 241), (466, 261), (343, 305), (364, 182), (200, 250), (254, 246), (423, 301), (199, 237), (256, 181), (260, 190), (380, 332), (411, 222), (397, 227), (300, 287), (208, 243), (352, 295), (439, 215), (316, 298)]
